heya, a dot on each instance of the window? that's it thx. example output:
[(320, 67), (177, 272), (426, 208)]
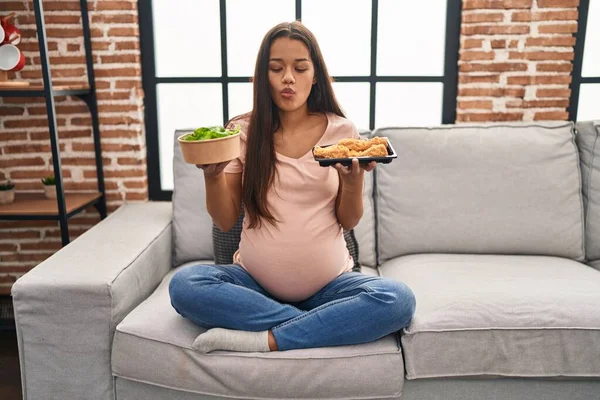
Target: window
[(585, 88), (198, 74)]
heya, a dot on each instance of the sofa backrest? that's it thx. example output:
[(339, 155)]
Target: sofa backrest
[(192, 225), (504, 188), (588, 142)]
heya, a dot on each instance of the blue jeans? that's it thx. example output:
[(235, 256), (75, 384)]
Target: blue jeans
[(353, 308)]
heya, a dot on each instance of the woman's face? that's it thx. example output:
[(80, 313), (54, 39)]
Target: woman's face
[(291, 73)]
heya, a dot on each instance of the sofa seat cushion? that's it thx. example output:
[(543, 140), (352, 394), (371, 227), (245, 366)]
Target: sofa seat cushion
[(521, 316), (153, 345)]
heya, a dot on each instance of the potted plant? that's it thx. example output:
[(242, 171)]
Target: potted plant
[(210, 145), (49, 187), (7, 193)]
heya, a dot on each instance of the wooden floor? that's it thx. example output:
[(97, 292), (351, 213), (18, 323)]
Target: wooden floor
[(10, 375)]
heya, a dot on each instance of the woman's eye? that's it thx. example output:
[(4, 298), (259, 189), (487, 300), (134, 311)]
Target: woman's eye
[(301, 69), (276, 69)]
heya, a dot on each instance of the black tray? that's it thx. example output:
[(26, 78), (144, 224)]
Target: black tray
[(327, 162)]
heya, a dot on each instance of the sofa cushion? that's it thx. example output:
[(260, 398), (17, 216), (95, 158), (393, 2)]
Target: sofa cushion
[(510, 188), (588, 142), (192, 225), (522, 316), (153, 345)]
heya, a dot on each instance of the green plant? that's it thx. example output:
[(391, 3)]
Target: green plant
[(49, 181), (211, 132), (7, 186)]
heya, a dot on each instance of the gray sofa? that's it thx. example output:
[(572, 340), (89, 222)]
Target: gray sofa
[(495, 227)]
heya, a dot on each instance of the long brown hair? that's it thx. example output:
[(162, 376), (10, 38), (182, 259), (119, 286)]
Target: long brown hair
[(259, 171)]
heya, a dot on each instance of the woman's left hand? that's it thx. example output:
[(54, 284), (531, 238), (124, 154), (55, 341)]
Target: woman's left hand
[(353, 175)]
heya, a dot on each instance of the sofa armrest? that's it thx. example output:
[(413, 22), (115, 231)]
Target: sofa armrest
[(67, 307)]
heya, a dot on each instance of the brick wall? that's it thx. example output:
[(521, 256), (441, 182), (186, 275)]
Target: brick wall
[(25, 154), (516, 59)]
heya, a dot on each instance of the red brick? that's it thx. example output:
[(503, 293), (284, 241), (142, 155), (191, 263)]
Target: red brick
[(482, 17), (546, 103), (562, 67), (123, 32), (477, 55), (115, 19), (19, 234), (494, 29), (542, 55), (558, 41), (495, 4), (127, 45), (551, 115), (135, 196), (539, 80), (493, 67), (100, 45), (475, 104), (566, 93), (489, 117), (128, 84), (116, 72), (492, 92), (119, 133), (472, 43), (130, 161), (558, 28), (136, 184), (558, 3), (4, 111), (51, 18), (463, 78), (21, 162), (121, 59), (498, 44), (54, 246), (7, 247), (118, 108), (115, 5)]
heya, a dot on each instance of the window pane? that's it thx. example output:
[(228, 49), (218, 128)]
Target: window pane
[(352, 55), (588, 109), (354, 100), (240, 98), (408, 104), (184, 106), (591, 51), (182, 46), (410, 37), (247, 24)]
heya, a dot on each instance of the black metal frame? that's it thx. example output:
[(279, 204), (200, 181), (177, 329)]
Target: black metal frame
[(150, 80), (577, 80), (89, 97)]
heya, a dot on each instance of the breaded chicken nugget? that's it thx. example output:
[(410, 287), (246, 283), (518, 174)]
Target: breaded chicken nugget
[(335, 151), (378, 150)]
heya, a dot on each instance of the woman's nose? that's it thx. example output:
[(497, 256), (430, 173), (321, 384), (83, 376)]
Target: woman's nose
[(288, 77)]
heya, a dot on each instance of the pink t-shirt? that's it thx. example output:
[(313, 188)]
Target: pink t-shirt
[(306, 249)]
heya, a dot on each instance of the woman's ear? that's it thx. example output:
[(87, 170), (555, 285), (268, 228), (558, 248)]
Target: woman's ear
[(314, 80)]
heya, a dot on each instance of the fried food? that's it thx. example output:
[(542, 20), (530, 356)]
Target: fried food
[(347, 148), (378, 150), (336, 151)]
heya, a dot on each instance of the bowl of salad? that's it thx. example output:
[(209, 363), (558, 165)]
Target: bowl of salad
[(210, 145)]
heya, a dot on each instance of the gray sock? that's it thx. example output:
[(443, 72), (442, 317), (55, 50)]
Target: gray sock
[(232, 340)]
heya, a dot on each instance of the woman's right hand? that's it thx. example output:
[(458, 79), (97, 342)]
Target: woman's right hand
[(213, 170)]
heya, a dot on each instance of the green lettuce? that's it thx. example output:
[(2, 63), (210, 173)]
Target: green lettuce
[(211, 132)]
